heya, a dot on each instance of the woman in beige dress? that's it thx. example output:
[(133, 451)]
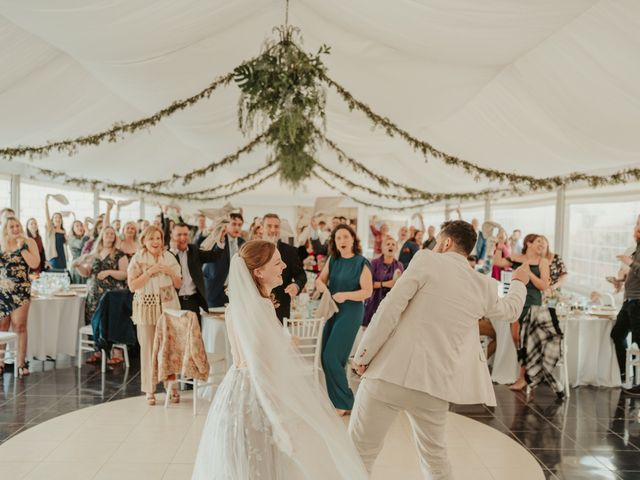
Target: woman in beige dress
[(153, 276)]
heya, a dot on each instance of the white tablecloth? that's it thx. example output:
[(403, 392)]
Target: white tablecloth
[(214, 336), (505, 360), (590, 354), (591, 357), (53, 326)]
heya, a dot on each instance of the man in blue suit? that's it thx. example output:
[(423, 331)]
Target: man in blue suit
[(216, 273)]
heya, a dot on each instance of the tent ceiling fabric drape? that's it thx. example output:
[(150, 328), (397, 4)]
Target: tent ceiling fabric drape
[(541, 88)]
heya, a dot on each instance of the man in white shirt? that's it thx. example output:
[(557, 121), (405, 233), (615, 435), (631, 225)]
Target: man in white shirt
[(192, 293), (422, 349)]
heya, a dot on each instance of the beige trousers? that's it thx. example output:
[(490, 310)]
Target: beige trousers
[(377, 405), (146, 334)]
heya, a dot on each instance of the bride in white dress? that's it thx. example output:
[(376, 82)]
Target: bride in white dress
[(269, 419)]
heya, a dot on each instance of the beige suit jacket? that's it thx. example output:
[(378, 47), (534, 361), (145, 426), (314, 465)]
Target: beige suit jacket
[(425, 335)]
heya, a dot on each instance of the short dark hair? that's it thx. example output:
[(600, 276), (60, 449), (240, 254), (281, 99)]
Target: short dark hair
[(236, 216), (333, 250), (271, 215), (462, 234), (343, 218), (180, 224)]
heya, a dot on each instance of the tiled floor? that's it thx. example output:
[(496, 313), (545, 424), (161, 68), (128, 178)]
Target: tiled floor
[(593, 435)]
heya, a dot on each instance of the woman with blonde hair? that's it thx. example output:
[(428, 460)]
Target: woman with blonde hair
[(153, 275), (500, 255), (19, 254), (129, 243), (106, 268)]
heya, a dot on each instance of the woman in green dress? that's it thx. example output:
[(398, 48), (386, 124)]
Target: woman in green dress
[(347, 275)]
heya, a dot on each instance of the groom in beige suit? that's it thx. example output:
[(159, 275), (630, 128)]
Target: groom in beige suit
[(422, 349)]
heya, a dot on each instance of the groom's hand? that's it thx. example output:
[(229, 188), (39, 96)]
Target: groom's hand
[(360, 369), (522, 273)]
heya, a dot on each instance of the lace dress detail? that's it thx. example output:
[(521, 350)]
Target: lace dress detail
[(237, 440)]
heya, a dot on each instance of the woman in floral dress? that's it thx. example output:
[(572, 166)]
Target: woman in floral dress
[(106, 268), (19, 254)]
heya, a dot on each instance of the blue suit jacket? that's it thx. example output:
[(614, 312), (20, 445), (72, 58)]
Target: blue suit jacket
[(215, 274)]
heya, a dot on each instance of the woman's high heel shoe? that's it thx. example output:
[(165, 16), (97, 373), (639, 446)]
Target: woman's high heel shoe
[(23, 370), (151, 400)]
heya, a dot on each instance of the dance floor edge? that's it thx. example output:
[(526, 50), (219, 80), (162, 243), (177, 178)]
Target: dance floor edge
[(127, 439)]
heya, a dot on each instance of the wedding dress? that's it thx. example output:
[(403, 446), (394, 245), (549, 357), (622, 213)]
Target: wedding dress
[(269, 419)]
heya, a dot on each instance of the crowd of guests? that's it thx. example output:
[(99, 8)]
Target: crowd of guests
[(172, 264)]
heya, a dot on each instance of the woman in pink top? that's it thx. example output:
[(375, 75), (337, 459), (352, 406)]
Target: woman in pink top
[(500, 255), (378, 236)]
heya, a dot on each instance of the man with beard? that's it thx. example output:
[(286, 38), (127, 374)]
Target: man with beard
[(422, 348)]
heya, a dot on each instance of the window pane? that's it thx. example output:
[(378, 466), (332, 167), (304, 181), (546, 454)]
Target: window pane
[(151, 209), (597, 233), (32, 203), (469, 214), (539, 219), (5, 192), (434, 217)]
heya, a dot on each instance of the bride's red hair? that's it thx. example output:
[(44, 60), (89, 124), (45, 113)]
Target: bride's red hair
[(256, 254)]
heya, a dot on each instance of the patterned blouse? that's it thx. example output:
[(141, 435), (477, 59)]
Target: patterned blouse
[(96, 287), (557, 269)]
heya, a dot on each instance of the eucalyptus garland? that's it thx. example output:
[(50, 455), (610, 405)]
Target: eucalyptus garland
[(116, 132), (154, 188), (281, 89), (425, 148), (368, 204), (422, 195)]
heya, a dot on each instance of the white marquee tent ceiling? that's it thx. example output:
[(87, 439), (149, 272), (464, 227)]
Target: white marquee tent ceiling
[(539, 87)]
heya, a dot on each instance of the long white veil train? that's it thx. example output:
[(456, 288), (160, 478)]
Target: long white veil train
[(304, 423)]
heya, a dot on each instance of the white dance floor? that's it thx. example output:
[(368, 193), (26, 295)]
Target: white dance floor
[(127, 439)]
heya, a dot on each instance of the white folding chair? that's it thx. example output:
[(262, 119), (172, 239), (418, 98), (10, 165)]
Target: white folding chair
[(505, 280), (10, 341), (308, 340), (214, 359), (87, 344), (632, 365)]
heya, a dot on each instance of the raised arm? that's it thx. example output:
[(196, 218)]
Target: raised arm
[(31, 254), (508, 308), (107, 215), (47, 215)]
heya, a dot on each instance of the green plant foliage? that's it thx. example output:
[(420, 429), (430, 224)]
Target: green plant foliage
[(282, 89)]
